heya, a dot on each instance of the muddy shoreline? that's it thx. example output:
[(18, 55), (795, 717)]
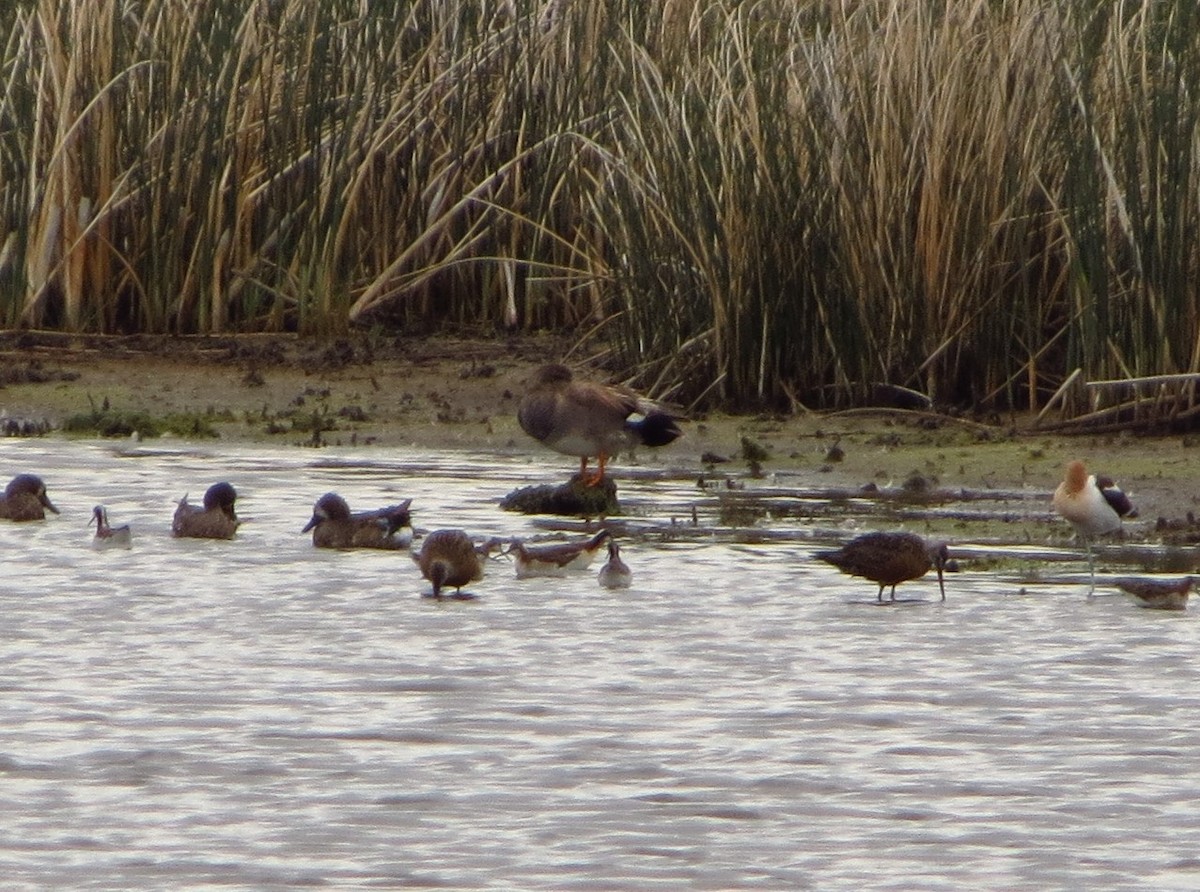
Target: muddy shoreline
[(449, 393)]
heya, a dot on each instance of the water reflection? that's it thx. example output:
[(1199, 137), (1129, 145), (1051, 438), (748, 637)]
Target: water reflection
[(262, 713)]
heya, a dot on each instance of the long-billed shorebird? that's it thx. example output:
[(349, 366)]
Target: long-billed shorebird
[(25, 499), (1093, 505), (888, 559), (334, 526), (449, 558), (587, 419), (216, 520)]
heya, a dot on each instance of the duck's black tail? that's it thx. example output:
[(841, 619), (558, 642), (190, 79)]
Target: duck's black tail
[(656, 429)]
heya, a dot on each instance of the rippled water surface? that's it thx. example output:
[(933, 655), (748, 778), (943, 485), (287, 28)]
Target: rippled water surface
[(261, 714)]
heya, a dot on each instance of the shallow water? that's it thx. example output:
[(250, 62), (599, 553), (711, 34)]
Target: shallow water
[(261, 714)]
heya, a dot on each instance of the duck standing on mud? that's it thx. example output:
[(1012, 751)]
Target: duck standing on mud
[(587, 419)]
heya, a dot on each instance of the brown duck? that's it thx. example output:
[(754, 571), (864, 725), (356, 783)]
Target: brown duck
[(587, 419), (216, 520), (25, 499), (449, 558), (334, 526), (888, 559)]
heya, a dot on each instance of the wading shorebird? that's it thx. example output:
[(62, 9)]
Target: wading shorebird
[(25, 499), (333, 526), (450, 558), (554, 558), (889, 559), (1093, 506), (1157, 594), (615, 573), (216, 520), (106, 536), (586, 419)]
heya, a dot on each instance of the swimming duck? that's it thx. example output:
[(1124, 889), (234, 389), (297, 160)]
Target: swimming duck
[(587, 419), (615, 573), (216, 520), (333, 526), (555, 558), (106, 536), (889, 559), (25, 499), (1093, 506), (449, 558)]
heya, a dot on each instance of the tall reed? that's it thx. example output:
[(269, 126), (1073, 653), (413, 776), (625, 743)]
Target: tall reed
[(760, 201)]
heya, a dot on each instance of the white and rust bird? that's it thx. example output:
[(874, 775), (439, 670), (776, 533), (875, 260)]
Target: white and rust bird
[(888, 559), (1093, 505), (587, 419)]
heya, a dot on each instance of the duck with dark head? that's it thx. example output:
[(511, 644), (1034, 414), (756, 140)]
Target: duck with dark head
[(25, 499), (334, 526), (215, 520)]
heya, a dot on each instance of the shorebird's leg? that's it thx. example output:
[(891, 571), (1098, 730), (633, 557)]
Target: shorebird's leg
[(879, 597), (583, 468), (1091, 567)]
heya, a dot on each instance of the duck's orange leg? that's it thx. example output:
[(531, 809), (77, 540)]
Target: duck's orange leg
[(598, 477)]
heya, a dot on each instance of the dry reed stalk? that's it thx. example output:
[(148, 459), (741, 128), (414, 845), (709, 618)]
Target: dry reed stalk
[(767, 198)]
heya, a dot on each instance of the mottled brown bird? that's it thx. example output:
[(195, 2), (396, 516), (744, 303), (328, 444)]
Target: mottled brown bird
[(216, 520), (25, 499), (615, 573), (334, 526), (888, 559), (1093, 506), (449, 558), (107, 536), (555, 558), (1157, 594), (587, 419)]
